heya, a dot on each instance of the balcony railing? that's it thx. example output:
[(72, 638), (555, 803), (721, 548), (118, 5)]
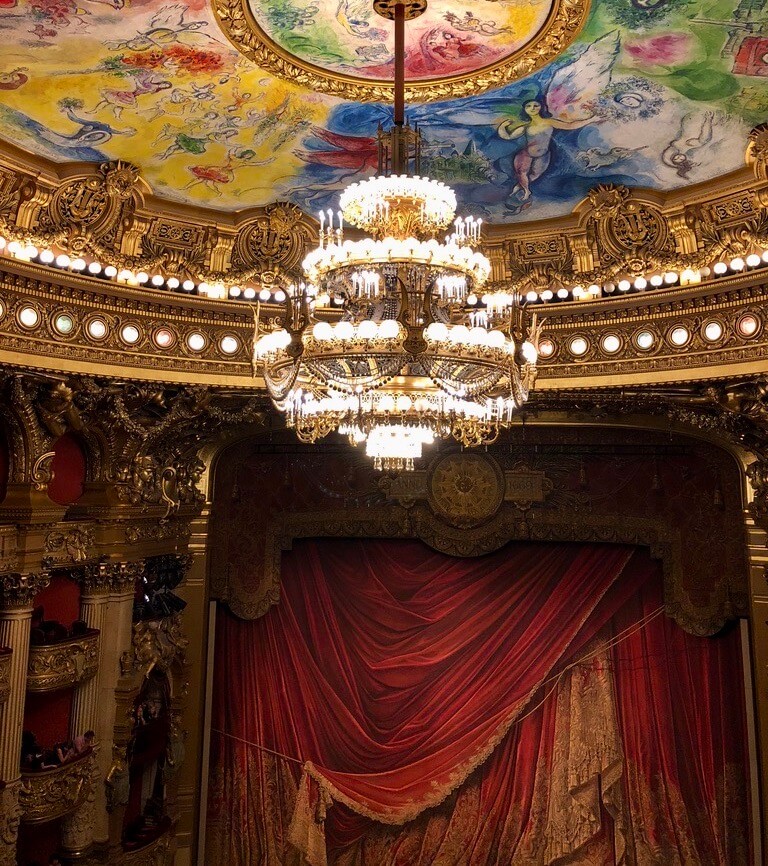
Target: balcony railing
[(49, 794), (64, 663)]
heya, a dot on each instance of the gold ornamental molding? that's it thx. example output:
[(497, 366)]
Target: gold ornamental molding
[(56, 666), (61, 322), (49, 794), (108, 212), (562, 25), (5, 673), (695, 332)]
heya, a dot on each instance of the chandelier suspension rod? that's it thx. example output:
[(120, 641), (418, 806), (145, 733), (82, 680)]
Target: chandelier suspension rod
[(399, 69)]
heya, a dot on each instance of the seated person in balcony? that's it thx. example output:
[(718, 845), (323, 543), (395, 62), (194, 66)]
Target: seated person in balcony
[(31, 752), (64, 752), (83, 743), (78, 747)]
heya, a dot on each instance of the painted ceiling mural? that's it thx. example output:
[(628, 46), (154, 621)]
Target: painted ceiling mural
[(349, 37), (656, 93)]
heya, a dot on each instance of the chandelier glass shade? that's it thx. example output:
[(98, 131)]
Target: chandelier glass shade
[(408, 360)]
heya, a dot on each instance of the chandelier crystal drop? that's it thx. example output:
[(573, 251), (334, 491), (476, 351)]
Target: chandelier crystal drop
[(408, 361)]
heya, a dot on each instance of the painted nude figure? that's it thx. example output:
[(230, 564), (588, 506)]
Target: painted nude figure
[(532, 160)]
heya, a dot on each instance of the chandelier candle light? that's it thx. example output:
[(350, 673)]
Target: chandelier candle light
[(409, 361)]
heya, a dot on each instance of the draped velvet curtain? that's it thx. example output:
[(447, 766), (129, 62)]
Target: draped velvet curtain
[(532, 706)]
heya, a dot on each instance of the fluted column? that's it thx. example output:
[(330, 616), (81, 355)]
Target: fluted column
[(106, 603), (17, 592)]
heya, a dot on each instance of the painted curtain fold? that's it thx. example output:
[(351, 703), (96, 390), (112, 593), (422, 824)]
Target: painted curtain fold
[(401, 673)]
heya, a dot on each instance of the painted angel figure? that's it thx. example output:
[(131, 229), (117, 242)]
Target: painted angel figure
[(566, 104)]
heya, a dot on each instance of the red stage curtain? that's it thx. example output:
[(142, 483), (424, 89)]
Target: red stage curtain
[(401, 673)]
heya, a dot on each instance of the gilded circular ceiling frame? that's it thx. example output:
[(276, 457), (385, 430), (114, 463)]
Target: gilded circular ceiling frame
[(563, 24)]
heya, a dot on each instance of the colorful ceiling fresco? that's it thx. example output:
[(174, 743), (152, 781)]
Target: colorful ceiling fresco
[(653, 93), (451, 38)]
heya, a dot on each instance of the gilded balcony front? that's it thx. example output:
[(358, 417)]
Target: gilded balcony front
[(49, 794), (64, 663)]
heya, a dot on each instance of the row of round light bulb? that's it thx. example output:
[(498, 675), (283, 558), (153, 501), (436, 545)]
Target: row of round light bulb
[(655, 281), (278, 341), (438, 332), (27, 252)]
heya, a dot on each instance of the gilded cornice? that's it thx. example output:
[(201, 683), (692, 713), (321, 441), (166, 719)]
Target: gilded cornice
[(615, 232), (725, 301), (108, 211)]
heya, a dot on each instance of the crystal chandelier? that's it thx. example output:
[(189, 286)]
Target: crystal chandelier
[(408, 361)]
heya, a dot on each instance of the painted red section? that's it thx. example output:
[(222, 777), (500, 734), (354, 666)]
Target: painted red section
[(5, 465), (47, 716), (752, 57), (60, 599), (66, 486)]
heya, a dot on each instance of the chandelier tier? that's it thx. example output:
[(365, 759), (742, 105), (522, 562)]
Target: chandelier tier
[(408, 361)]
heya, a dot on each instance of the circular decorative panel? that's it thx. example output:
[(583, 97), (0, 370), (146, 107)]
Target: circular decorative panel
[(466, 488), (455, 48)]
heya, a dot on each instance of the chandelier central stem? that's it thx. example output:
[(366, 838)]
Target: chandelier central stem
[(399, 73)]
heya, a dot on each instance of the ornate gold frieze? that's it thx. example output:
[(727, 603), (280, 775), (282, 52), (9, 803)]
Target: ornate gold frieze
[(50, 794), (56, 666), (467, 488), (69, 545), (563, 24), (613, 232), (5, 673)]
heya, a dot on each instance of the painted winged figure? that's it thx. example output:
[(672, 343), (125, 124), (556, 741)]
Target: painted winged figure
[(566, 104)]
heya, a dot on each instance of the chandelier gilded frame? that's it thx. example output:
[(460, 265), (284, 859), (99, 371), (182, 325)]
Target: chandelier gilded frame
[(563, 24)]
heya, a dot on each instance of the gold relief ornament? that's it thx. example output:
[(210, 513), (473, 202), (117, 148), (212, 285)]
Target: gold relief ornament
[(276, 240), (757, 151), (49, 794), (70, 545), (54, 666), (563, 24), (92, 204), (5, 673), (159, 643), (10, 817), (628, 229), (465, 489)]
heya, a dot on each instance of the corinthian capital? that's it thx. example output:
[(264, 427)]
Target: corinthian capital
[(18, 590), (106, 576)]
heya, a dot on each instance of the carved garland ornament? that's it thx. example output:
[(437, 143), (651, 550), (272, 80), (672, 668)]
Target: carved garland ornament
[(562, 26)]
